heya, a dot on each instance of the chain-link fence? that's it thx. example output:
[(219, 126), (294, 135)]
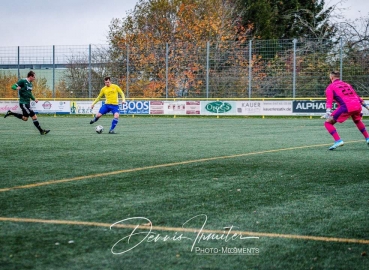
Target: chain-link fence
[(255, 69)]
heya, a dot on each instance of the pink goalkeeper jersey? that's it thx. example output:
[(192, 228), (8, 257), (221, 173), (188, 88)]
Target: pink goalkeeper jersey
[(344, 95)]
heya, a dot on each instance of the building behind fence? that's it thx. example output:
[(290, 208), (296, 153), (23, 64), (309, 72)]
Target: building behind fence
[(255, 69)]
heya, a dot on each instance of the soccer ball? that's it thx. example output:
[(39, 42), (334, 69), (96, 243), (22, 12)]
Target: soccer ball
[(99, 129)]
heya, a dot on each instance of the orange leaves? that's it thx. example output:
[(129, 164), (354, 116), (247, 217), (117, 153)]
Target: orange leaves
[(6, 81), (154, 89), (40, 87), (186, 25), (163, 21)]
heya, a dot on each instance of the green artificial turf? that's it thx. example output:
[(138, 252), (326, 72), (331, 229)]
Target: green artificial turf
[(270, 178)]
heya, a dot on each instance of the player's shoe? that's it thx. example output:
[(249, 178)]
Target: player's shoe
[(367, 141), (7, 114), (44, 131), (91, 122), (336, 144), (112, 132)]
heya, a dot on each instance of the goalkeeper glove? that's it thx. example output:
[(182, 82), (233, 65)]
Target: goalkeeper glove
[(327, 114)]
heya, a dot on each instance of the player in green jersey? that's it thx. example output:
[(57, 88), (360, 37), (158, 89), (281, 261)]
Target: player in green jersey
[(24, 87)]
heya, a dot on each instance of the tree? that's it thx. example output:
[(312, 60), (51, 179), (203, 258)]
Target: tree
[(41, 89), (61, 89), (185, 25), (275, 19), (355, 46), (76, 77), (355, 32), (6, 81), (160, 21)]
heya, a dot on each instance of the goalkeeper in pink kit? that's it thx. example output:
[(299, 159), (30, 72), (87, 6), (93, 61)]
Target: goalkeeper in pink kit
[(348, 105)]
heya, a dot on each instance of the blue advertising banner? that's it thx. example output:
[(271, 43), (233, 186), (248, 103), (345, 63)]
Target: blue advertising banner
[(135, 107), (308, 107), (304, 106)]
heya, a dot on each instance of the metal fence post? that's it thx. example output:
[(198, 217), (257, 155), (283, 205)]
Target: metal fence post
[(127, 82), (207, 68), (53, 71), (89, 72), (294, 69), (166, 68), (250, 67), (18, 63), (341, 58)]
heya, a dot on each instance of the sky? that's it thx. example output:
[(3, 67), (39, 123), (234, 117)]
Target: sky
[(83, 22), (351, 9), (53, 22)]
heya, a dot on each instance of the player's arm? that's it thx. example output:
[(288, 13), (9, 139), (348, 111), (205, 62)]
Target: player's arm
[(98, 98), (17, 85), (328, 103), (329, 98), (122, 94), (366, 106), (33, 97)]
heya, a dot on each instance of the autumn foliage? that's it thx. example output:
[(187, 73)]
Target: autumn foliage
[(175, 31), (6, 81), (40, 87), (210, 48)]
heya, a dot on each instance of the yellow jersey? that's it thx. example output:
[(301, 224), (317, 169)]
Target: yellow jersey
[(111, 94)]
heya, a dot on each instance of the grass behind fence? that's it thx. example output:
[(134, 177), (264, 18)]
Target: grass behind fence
[(268, 178)]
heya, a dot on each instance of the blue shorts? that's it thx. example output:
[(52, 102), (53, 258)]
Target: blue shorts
[(109, 108)]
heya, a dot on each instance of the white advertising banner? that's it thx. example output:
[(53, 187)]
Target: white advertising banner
[(60, 107), (9, 105), (156, 107), (249, 107), (281, 107), (182, 107), (264, 107), (84, 107), (218, 108), (175, 107), (193, 107), (168, 107)]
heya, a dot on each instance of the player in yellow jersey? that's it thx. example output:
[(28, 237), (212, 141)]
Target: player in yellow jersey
[(110, 91)]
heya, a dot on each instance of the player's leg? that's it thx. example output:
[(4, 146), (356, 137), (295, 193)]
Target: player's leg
[(337, 116), (114, 122), (357, 118), (329, 125), (17, 115), (36, 123), (103, 110), (26, 111)]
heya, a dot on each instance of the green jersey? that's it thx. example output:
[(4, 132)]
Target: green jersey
[(25, 91)]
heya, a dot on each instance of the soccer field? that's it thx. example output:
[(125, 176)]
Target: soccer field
[(208, 193)]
